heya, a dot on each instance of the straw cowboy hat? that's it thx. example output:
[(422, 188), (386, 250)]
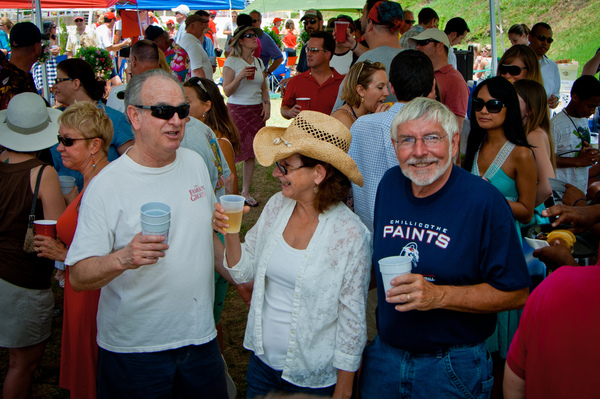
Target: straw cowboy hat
[(27, 125), (312, 134)]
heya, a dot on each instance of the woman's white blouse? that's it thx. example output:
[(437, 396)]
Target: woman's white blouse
[(328, 329)]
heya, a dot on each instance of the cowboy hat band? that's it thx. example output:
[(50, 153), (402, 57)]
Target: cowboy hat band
[(312, 134)]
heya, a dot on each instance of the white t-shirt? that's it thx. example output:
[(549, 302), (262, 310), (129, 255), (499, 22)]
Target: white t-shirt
[(198, 57), (249, 92), (169, 304), (104, 35), (566, 139), (113, 101), (342, 63)]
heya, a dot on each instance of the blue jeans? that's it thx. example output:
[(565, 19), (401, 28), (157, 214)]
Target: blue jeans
[(263, 380), (194, 371), (463, 371)]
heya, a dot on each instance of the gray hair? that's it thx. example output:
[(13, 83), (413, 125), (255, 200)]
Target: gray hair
[(133, 93), (428, 110)]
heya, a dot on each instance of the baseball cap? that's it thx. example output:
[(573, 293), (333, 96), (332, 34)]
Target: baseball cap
[(312, 13), (78, 16), (275, 20), (24, 34), (171, 22), (153, 31), (387, 13), (110, 15), (182, 9), (213, 12), (435, 34)]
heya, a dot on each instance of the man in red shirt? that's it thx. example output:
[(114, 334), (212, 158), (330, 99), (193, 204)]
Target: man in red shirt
[(320, 83), (212, 29)]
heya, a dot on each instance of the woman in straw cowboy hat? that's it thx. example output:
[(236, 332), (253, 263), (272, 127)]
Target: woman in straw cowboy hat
[(26, 301), (248, 102), (309, 257)]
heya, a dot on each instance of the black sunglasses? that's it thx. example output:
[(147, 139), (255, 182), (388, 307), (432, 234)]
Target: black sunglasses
[(493, 106), (285, 170), (543, 38), (250, 35), (425, 42), (67, 141), (310, 21), (166, 112), (255, 21), (58, 80), (513, 70), (409, 21)]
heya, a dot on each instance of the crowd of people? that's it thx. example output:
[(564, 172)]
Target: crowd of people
[(370, 168)]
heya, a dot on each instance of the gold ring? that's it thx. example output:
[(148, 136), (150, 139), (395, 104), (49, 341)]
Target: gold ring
[(407, 297)]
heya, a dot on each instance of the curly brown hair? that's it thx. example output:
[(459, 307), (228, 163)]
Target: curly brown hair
[(334, 188)]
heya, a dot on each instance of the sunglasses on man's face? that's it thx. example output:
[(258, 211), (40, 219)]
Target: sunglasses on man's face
[(425, 42), (166, 112), (513, 70), (310, 21), (409, 21), (493, 106), (255, 21), (543, 38)]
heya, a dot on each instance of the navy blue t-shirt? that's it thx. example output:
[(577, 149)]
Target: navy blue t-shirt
[(464, 234)]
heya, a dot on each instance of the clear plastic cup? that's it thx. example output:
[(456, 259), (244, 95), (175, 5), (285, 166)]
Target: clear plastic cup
[(234, 209)]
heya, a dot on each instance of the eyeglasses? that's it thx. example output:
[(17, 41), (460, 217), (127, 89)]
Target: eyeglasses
[(197, 81), (314, 50), (543, 38), (425, 42), (513, 70), (409, 21), (255, 21), (58, 80), (284, 170), (430, 140), (67, 141), (166, 112), (493, 106), (310, 21), (249, 35)]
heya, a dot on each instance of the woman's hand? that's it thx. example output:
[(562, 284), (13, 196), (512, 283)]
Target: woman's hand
[(382, 107), (219, 220), (266, 111), (47, 247), (246, 72), (572, 194)]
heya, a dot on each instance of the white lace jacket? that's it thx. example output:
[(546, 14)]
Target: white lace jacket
[(328, 330)]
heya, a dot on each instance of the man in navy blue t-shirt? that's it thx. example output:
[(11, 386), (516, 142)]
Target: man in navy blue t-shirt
[(467, 265)]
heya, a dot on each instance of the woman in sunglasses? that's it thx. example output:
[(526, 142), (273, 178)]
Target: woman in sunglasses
[(207, 105), (249, 101), (84, 136), (536, 120), (520, 62), (309, 257), (498, 151), (364, 92)]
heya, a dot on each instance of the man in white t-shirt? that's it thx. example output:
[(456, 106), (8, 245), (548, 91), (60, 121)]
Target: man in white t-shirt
[(156, 329), (199, 61)]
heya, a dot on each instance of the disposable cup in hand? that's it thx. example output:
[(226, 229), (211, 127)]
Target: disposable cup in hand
[(251, 77), (155, 213), (394, 266), (156, 229), (234, 209), (303, 102), (340, 31), (66, 183), (45, 228)]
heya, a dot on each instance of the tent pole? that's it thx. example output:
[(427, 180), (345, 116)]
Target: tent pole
[(38, 22), (493, 35)]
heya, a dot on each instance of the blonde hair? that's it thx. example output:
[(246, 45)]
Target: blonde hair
[(527, 55), (90, 121), (361, 74), (6, 22)]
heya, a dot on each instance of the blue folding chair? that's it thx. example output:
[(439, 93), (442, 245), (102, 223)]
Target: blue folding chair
[(282, 72)]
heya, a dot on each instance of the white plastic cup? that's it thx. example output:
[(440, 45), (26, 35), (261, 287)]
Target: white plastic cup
[(66, 183), (156, 229), (155, 213), (234, 209), (394, 266)]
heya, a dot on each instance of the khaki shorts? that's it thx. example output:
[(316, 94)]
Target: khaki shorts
[(25, 315)]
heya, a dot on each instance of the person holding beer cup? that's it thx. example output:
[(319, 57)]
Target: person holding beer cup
[(309, 257)]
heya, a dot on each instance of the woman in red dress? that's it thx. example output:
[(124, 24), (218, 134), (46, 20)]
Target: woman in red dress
[(84, 136)]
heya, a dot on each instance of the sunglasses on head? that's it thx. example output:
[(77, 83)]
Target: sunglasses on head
[(196, 80), (250, 35), (493, 106), (543, 38), (425, 42), (67, 141), (513, 70), (166, 112), (310, 21)]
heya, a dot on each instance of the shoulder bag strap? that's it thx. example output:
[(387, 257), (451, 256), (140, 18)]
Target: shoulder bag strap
[(35, 194)]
